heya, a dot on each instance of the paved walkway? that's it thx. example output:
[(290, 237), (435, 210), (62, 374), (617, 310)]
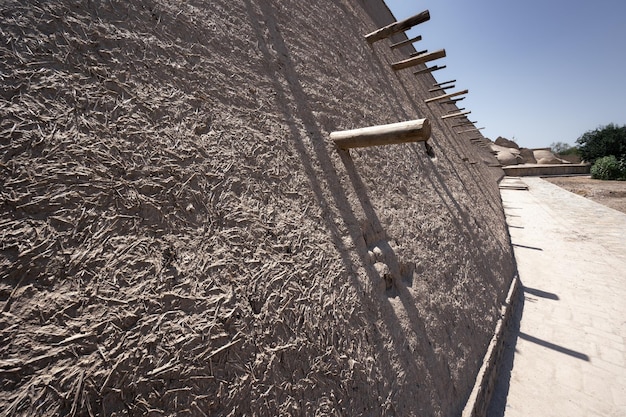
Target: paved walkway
[(569, 356)]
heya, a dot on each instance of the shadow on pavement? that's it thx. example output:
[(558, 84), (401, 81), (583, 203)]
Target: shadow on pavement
[(540, 293), (497, 405), (526, 247), (558, 348)]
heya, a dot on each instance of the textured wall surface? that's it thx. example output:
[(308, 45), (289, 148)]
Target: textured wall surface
[(181, 237)]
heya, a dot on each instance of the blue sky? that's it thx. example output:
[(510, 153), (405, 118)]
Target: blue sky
[(538, 71)]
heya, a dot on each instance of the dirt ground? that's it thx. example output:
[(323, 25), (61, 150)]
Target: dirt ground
[(609, 193)]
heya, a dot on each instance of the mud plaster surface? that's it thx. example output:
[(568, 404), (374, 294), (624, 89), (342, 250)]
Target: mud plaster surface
[(179, 237)]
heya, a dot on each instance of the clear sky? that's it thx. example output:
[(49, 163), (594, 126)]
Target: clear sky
[(537, 71)]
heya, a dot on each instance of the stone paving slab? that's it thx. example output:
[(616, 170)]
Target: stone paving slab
[(568, 357)]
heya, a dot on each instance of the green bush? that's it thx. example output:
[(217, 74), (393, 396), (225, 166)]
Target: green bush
[(622, 167), (608, 168)]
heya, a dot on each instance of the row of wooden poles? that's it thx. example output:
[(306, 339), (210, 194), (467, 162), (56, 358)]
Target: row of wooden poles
[(414, 130)]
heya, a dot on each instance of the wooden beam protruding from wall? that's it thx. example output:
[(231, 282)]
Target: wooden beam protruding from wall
[(463, 124), (406, 42), (431, 69), (461, 109), (396, 27), (432, 90), (411, 131), (445, 96), (471, 130), (449, 116), (412, 54), (420, 59), (452, 101), (444, 83)]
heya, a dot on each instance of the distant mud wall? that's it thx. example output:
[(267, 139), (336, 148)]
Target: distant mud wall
[(181, 237)]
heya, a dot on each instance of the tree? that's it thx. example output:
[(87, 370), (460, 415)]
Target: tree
[(560, 147), (604, 141)]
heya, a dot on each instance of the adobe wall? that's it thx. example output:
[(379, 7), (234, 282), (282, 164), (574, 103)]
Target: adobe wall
[(182, 235)]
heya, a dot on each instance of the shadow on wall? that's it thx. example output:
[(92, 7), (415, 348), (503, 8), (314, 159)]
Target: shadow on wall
[(378, 244), (459, 216), (294, 103), (503, 382)]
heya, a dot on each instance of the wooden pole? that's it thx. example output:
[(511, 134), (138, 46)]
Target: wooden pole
[(443, 83), (396, 27), (470, 130), (403, 132), (463, 124), (445, 96), (431, 69), (412, 54), (432, 90), (420, 59), (448, 116), (450, 111), (406, 42), (452, 101)]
